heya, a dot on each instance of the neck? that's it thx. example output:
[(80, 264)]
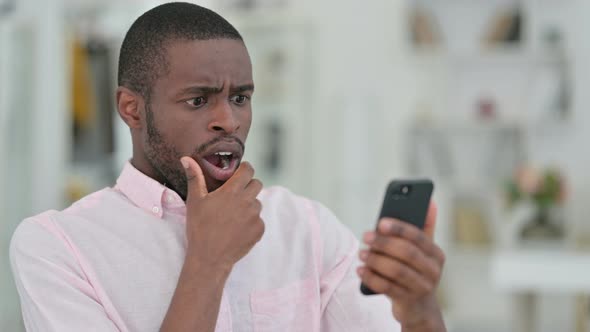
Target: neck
[(140, 162)]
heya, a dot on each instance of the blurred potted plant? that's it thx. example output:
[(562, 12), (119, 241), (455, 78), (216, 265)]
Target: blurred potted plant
[(546, 190)]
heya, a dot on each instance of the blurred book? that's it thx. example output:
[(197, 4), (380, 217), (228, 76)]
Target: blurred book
[(425, 30), (471, 224), (506, 28)]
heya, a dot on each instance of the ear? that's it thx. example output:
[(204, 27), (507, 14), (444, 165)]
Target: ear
[(128, 105)]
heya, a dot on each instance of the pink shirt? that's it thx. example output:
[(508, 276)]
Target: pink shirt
[(111, 261)]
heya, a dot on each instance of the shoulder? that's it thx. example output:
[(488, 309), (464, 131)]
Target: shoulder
[(93, 202), (284, 209), (290, 217), (44, 230), (30, 228), (280, 202), (36, 237), (280, 195)]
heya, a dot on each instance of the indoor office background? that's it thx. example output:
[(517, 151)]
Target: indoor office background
[(486, 97)]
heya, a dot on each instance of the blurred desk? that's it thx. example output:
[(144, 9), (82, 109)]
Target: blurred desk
[(525, 273)]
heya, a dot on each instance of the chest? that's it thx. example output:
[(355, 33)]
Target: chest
[(274, 287)]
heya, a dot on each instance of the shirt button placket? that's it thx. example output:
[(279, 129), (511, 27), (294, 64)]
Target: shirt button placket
[(169, 198)]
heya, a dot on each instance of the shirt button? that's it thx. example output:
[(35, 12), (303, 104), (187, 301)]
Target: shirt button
[(156, 210), (169, 198)]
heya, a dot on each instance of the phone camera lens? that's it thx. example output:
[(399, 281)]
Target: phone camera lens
[(405, 190)]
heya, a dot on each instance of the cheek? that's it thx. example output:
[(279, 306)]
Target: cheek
[(186, 137), (182, 133), (245, 122)]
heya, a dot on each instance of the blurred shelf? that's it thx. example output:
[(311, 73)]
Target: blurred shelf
[(470, 251), (514, 126), (551, 126), (502, 56), (540, 270), (465, 126), (499, 2), (264, 18)]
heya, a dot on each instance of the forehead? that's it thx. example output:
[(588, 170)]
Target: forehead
[(213, 61)]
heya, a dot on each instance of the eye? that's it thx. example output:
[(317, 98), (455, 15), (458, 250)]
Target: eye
[(240, 99), (197, 102)]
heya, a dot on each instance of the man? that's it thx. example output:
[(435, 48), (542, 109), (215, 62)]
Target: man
[(187, 240)]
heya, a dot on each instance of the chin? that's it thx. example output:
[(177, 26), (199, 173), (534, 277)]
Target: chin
[(213, 185)]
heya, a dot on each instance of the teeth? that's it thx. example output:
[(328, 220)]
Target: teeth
[(225, 158)]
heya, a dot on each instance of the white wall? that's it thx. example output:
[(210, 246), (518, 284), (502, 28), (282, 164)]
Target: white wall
[(34, 113), (359, 104)]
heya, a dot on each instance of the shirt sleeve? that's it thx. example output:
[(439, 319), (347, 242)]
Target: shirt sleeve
[(344, 307), (54, 292)]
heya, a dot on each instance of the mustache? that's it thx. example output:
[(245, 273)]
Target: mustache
[(203, 147)]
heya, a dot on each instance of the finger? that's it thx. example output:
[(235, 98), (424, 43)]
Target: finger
[(430, 224), (196, 185), (397, 271), (396, 228), (241, 177), (254, 187), (380, 285), (408, 253), (255, 231), (258, 204), (369, 237)]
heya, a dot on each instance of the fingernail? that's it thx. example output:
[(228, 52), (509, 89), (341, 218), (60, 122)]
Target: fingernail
[(369, 237), (385, 225), (360, 271), (184, 163), (363, 255)]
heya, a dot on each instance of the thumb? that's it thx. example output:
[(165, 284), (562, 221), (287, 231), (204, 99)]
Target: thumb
[(195, 180), (430, 223)]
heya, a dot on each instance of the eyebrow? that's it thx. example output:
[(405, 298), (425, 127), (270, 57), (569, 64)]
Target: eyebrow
[(200, 90), (214, 89), (242, 88)]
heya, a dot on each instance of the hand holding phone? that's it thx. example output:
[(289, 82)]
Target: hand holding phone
[(407, 201)]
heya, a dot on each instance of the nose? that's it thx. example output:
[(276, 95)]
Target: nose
[(223, 120)]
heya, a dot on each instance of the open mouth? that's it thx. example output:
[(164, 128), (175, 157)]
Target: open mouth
[(221, 165)]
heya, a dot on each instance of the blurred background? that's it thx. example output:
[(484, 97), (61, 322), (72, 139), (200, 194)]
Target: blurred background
[(486, 97)]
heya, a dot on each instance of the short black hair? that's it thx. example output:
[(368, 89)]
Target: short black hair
[(143, 53)]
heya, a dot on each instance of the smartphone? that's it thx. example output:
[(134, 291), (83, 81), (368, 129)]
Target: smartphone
[(408, 201)]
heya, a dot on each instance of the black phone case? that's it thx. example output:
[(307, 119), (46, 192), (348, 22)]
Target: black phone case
[(410, 207)]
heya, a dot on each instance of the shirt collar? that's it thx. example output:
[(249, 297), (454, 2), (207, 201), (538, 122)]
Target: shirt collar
[(145, 192)]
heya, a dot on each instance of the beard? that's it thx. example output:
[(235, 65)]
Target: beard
[(164, 158)]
